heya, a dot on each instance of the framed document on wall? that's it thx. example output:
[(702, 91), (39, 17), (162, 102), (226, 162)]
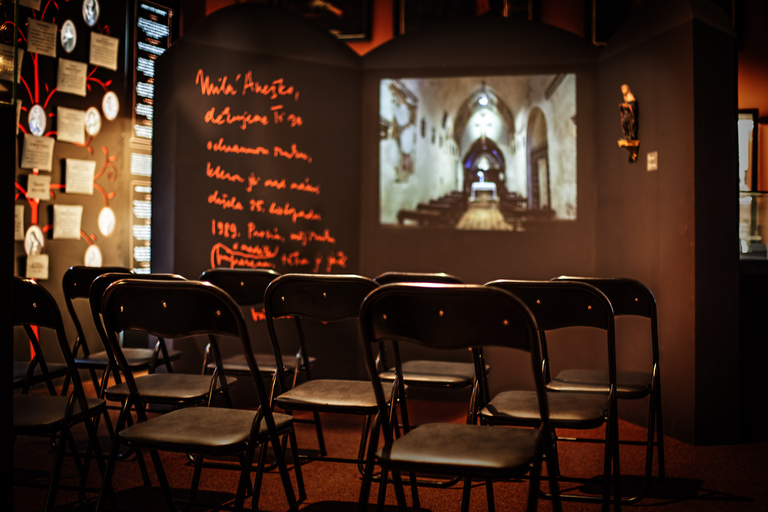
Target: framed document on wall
[(346, 19)]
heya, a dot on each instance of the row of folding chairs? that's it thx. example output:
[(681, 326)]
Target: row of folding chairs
[(170, 307)]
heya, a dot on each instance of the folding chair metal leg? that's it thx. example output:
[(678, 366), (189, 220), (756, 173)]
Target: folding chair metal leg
[(365, 488), (284, 476), (93, 447), (319, 431), (297, 466), (656, 398), (53, 485), (196, 478), (163, 479), (489, 496), (465, 494)]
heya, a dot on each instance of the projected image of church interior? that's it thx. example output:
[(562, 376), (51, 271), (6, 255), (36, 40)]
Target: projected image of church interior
[(478, 153)]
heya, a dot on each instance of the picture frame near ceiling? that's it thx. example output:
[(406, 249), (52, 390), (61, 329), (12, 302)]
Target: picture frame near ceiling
[(349, 20), (410, 15), (752, 201), (747, 150)]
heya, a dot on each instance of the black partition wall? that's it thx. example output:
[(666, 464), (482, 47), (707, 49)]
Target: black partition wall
[(256, 156)]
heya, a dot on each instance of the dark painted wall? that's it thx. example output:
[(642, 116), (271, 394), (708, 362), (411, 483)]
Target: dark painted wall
[(670, 228)]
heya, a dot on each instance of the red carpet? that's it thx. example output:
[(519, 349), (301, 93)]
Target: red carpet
[(701, 479)]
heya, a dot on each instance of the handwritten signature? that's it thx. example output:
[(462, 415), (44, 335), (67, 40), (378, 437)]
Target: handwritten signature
[(222, 86)]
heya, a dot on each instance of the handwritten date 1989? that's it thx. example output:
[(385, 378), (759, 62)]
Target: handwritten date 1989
[(225, 229)]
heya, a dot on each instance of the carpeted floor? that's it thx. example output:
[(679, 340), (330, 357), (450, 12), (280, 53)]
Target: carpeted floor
[(699, 478)]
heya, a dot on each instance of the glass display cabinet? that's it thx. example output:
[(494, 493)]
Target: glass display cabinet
[(753, 218)]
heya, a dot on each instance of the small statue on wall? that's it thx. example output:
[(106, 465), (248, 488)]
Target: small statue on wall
[(628, 114)]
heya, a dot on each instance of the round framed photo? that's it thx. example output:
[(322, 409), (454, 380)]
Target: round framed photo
[(91, 12), (93, 256), (107, 221), (92, 121), (37, 120), (68, 36), (34, 240), (110, 105)]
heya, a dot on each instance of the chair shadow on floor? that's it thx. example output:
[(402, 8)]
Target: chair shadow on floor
[(671, 490), (351, 506)]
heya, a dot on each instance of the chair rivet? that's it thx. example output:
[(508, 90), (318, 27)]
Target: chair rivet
[(441, 312), (589, 307), (324, 295), (218, 313), (121, 309), (282, 299), (383, 316), (165, 305), (636, 299), (506, 322), (242, 283), (538, 301), (34, 304)]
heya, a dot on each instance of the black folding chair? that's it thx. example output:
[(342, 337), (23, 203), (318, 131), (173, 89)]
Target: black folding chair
[(50, 415), (629, 297), (447, 317), (559, 305), (177, 309), (328, 299)]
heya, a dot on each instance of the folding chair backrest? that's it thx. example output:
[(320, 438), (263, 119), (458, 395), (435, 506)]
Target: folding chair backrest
[(559, 304), (100, 285), (245, 286), (416, 277), (448, 316), (76, 284), (34, 306), (175, 309), (627, 296), (322, 297)]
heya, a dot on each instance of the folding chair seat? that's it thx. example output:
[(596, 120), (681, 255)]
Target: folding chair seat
[(50, 415), (559, 305), (448, 317), (76, 285), (247, 287), (31, 372), (628, 297), (330, 299), (178, 309)]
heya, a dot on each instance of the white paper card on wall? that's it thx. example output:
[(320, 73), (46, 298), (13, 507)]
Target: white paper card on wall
[(37, 266), (66, 221), (653, 161), (70, 125), (20, 54), (37, 153), (6, 62), (72, 77), (104, 50), (32, 4), (18, 222), (39, 187), (79, 176), (41, 37)]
